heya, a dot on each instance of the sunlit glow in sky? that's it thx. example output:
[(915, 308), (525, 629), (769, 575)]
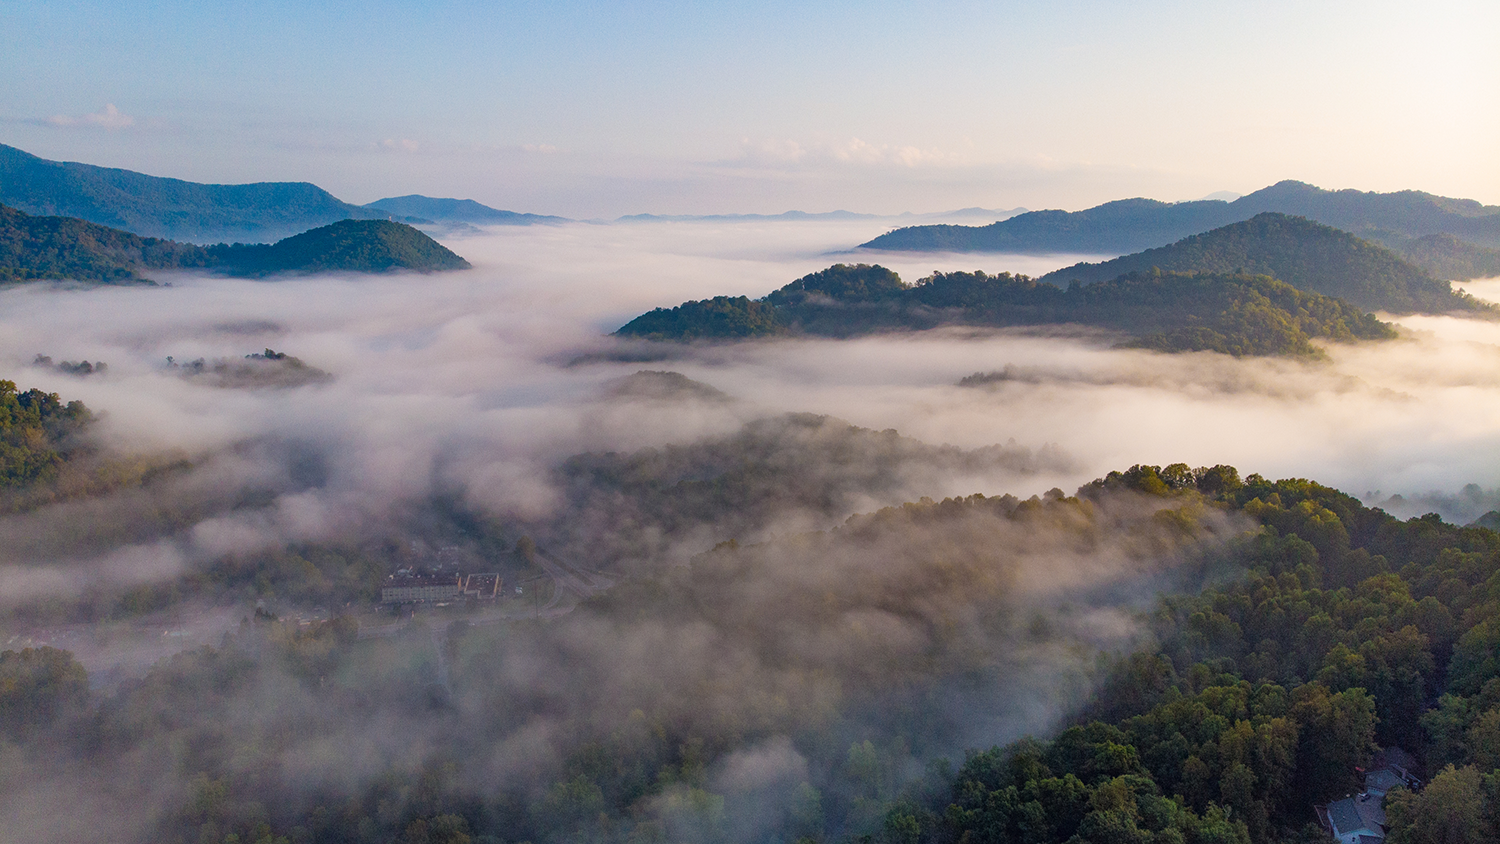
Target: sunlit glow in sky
[(599, 109)]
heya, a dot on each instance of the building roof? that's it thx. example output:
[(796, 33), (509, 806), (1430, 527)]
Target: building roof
[(1383, 780), (1357, 813)]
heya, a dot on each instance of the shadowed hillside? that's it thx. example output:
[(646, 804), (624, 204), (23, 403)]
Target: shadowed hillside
[(1305, 254), (1130, 225), (38, 248), (152, 206)]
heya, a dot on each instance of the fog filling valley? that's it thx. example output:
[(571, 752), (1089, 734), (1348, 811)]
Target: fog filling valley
[(458, 413)]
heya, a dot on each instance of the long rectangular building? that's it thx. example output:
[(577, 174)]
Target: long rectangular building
[(415, 590)]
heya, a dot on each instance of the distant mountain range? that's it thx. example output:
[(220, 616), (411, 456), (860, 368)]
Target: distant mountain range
[(974, 213), (456, 211), (1269, 285), (151, 206), (1307, 255), (1130, 225), (174, 209), (38, 248)]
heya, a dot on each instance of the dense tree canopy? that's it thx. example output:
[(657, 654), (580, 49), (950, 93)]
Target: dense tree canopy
[(1334, 630), (35, 428), (1233, 314)]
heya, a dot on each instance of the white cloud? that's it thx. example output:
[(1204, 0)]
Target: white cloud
[(855, 151), (110, 118)]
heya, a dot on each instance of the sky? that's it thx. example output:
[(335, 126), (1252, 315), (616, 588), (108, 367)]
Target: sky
[(600, 109)]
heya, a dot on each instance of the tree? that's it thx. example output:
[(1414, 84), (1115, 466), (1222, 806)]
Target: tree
[(37, 685), (1450, 810)]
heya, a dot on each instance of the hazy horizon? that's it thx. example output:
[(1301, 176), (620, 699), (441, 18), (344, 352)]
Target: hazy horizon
[(592, 111)]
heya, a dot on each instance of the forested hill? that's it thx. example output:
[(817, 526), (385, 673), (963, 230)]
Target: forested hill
[(1350, 632), (152, 206), (1303, 253), (456, 211), (1231, 313), (1130, 225), (1310, 636), (34, 248), (360, 246)]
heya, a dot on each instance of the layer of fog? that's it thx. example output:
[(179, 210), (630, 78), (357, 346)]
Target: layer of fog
[(478, 384), (482, 381)]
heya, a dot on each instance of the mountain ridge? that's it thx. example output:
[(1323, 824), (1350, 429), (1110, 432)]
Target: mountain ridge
[(167, 208), (1232, 313), (1130, 225), (448, 210), (38, 248), (1306, 254)]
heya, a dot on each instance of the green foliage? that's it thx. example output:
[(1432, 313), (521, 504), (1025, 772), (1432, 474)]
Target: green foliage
[(842, 283), (1264, 695), (719, 318), (35, 429), (33, 248), (1450, 810), (1232, 314)]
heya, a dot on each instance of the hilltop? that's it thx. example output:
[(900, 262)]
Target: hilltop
[(1231, 313), (36, 248), (456, 211), (1307, 255), (152, 206), (361, 246), (1130, 225)]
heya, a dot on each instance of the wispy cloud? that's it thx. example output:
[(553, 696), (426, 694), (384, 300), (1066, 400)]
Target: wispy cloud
[(110, 118), (851, 151), (398, 145)]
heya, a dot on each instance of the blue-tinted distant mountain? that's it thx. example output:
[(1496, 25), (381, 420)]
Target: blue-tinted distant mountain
[(976, 213), (151, 206), (456, 211), (962, 213), (743, 218), (1130, 225)]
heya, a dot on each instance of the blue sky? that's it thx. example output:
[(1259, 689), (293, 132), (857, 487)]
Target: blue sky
[(598, 109)]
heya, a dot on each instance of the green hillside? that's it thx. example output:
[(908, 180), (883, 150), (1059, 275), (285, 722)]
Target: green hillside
[(1445, 256), (36, 248), (1232, 313), (152, 206), (1303, 253), (361, 246)]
